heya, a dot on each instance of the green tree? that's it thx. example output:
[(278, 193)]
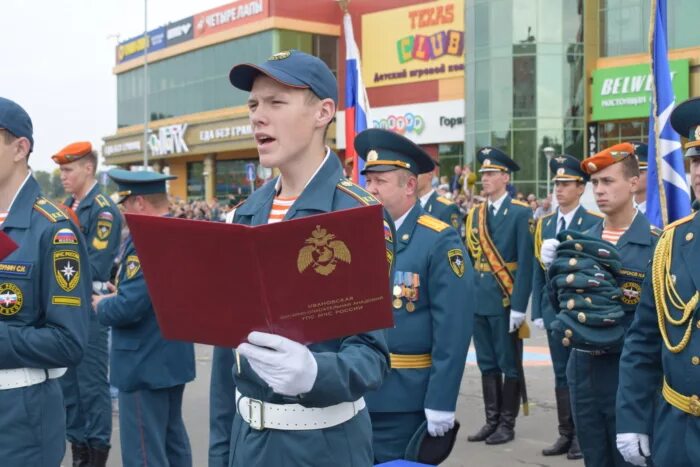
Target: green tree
[(44, 180), (57, 192)]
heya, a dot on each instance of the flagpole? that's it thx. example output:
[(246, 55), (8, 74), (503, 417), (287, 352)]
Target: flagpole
[(654, 103)]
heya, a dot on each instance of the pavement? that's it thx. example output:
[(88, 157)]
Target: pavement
[(532, 433)]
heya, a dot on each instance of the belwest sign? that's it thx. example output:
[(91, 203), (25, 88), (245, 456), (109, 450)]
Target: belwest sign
[(625, 92)]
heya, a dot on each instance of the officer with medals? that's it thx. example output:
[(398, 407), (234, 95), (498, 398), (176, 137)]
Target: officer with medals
[(433, 311), (500, 244), (592, 372), (149, 371), (44, 305), (86, 387), (438, 206), (275, 401), (640, 196), (662, 348), (569, 184)]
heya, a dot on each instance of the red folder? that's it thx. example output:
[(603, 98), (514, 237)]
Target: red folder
[(309, 279), (7, 245)]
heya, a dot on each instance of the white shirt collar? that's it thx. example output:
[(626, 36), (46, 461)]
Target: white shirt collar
[(568, 217), (424, 198), (497, 204), (399, 221), (278, 183)]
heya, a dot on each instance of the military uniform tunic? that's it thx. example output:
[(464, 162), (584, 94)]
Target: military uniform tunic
[(44, 315), (347, 368), (444, 209)]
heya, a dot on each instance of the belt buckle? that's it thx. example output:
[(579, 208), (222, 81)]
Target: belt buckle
[(255, 406), (694, 406)]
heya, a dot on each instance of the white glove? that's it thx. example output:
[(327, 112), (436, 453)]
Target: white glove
[(539, 322), (288, 367), (516, 319), (633, 447), (548, 252), (439, 421)]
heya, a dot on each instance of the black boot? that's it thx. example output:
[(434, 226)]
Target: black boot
[(574, 450), (98, 456), (491, 388), (80, 455), (509, 411), (566, 425)]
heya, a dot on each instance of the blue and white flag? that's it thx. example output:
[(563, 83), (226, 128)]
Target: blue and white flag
[(668, 195)]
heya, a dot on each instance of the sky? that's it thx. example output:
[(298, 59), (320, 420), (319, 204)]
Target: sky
[(57, 60)]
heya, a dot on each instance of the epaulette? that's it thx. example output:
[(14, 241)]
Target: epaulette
[(680, 221), (101, 200), (520, 203), (655, 231), (548, 215), (357, 192), (597, 214), (444, 200), (432, 223), (49, 210)]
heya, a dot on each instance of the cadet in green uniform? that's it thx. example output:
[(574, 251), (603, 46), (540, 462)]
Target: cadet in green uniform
[(433, 310), (44, 305), (86, 387), (312, 397), (569, 184), (500, 243), (438, 206), (593, 373), (662, 348)]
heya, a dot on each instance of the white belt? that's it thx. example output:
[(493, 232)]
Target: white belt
[(260, 415), (21, 377)]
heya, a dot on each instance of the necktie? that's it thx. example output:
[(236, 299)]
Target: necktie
[(493, 210), (562, 225)]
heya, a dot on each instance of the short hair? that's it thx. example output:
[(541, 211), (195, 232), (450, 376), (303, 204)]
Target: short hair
[(312, 98), (91, 158), (404, 175), (630, 167), (7, 136), (157, 200)]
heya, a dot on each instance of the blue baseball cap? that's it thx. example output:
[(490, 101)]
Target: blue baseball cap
[(291, 68), (14, 119), (138, 183)]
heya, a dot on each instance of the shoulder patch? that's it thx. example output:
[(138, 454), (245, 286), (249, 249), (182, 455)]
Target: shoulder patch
[(597, 214), (655, 231), (520, 203), (547, 215), (49, 210), (357, 192), (680, 221), (432, 223), (444, 200), (101, 200)]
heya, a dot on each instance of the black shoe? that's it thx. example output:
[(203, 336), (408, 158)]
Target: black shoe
[(560, 446), (575, 450), (80, 455), (98, 457), (566, 424), (491, 388), (509, 412)]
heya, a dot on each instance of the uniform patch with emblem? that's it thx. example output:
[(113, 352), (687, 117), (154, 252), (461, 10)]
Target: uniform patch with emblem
[(456, 259), (631, 292), (132, 266), (454, 220), (389, 259), (387, 232), (280, 55), (105, 215), (11, 299), (65, 237), (15, 268), (66, 268)]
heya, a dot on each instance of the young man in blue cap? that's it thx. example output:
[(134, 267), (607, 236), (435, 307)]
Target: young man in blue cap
[(662, 347), (266, 404), (433, 311), (86, 387), (44, 304), (569, 185), (500, 244), (593, 373), (149, 371)]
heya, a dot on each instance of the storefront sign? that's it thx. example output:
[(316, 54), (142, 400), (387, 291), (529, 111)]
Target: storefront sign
[(425, 123), (222, 133), (625, 92), (228, 16), (592, 138), (417, 43), (179, 31), (122, 147), (168, 140), (134, 47)]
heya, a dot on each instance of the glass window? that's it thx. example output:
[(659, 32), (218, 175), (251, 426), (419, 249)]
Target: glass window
[(195, 181), (683, 17), (524, 84), (550, 24), (231, 181)]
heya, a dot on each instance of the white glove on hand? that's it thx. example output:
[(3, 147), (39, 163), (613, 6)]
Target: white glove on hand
[(539, 322), (516, 319), (633, 447), (288, 367), (548, 252), (439, 421)]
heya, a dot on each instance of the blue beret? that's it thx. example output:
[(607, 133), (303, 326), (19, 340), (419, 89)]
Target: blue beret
[(138, 183), (495, 160), (384, 150), (291, 68), (15, 119), (685, 119), (566, 169)]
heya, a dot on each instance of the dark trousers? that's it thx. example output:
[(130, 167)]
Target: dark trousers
[(560, 359), (391, 432), (494, 345)]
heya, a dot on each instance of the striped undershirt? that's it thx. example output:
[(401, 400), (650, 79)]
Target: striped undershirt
[(280, 206), (76, 203), (613, 235), (3, 216)]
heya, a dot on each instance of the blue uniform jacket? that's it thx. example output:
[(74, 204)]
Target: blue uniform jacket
[(347, 368), (444, 209), (547, 228), (44, 291), (510, 232), (140, 357), (441, 323), (101, 224), (646, 361)]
